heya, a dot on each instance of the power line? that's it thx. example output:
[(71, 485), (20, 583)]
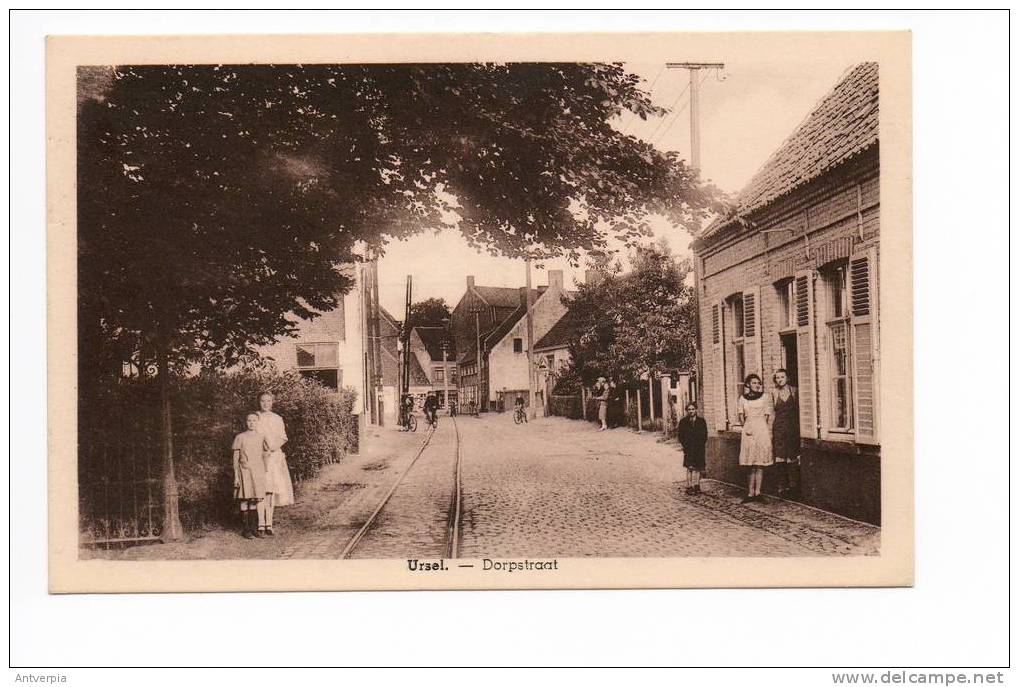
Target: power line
[(651, 90), (679, 112), (673, 105)]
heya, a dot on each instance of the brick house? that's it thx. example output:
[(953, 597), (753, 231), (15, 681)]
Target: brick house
[(493, 320), (790, 280)]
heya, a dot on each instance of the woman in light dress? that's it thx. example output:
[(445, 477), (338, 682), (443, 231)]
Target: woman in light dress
[(755, 410), (278, 472)]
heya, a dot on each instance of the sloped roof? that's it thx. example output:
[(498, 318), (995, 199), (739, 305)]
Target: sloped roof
[(844, 124), (560, 334), (503, 296), (495, 336), (432, 338), (417, 375)]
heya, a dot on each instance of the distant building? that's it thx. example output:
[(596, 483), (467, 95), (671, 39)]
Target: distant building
[(552, 352), (329, 348), (426, 346), (499, 314), (791, 281)]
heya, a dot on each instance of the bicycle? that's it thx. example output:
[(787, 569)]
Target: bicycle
[(519, 415), (410, 423), (433, 419)]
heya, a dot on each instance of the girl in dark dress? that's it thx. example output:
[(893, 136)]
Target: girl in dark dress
[(785, 434), (692, 433)]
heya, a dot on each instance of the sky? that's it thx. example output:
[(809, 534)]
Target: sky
[(747, 111)]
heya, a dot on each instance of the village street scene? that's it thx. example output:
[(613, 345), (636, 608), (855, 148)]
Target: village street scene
[(479, 311)]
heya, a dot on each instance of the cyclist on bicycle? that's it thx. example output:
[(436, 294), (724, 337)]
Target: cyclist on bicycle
[(406, 408), (518, 408), (431, 408)]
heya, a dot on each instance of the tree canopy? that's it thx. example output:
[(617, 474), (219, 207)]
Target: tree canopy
[(431, 312), (629, 325), (218, 202)]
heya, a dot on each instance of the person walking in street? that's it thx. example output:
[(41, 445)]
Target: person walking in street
[(785, 434), (601, 395), (692, 432), (250, 483), (275, 432), (755, 413)]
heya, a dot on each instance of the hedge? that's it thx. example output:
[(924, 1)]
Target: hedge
[(208, 410)]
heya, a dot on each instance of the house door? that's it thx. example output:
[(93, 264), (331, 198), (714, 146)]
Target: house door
[(789, 358)]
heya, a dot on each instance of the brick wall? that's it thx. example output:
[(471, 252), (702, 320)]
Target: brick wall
[(831, 219)]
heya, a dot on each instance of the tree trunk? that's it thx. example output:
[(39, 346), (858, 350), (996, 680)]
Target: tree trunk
[(651, 398), (640, 414), (626, 412), (172, 530), (583, 402)]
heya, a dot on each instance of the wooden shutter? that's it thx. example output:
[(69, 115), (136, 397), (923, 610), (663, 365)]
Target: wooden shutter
[(752, 358), (803, 290), (718, 362), (864, 322)]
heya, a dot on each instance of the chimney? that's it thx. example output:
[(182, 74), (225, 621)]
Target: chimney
[(523, 296), (470, 281), (555, 280)]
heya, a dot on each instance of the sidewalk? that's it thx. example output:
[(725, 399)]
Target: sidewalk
[(329, 509)]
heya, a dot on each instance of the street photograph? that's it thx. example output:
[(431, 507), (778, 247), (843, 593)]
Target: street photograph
[(479, 317)]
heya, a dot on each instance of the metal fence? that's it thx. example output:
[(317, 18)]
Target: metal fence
[(120, 492)]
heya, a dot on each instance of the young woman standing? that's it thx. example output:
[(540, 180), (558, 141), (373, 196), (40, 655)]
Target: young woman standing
[(755, 413)]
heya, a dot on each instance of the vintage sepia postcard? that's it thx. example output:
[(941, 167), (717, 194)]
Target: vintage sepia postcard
[(473, 311)]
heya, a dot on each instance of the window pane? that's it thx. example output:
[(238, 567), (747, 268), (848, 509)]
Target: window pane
[(330, 379), (327, 355), (837, 285), (841, 383), (305, 356)]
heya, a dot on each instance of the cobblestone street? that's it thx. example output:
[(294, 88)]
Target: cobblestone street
[(556, 487), (553, 487)]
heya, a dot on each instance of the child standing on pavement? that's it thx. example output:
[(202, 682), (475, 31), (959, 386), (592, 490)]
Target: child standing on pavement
[(692, 432), (249, 451)]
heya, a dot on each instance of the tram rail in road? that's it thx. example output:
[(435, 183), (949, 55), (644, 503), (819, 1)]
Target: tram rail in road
[(451, 549)]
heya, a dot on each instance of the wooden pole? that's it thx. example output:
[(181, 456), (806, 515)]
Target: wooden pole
[(530, 342), (651, 398), (640, 416)]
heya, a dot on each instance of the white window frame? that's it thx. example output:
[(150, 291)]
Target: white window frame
[(316, 367), (829, 319)]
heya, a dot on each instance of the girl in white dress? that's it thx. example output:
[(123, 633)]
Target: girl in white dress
[(755, 409), (272, 428)]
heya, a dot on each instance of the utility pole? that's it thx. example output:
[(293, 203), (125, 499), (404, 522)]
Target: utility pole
[(445, 369), (695, 103), (695, 159), (477, 372), (405, 362), (530, 341)]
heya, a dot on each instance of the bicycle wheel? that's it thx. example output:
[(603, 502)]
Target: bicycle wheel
[(412, 424)]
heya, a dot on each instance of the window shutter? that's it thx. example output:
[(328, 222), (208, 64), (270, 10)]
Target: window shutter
[(718, 361), (752, 339), (864, 323), (803, 290)]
